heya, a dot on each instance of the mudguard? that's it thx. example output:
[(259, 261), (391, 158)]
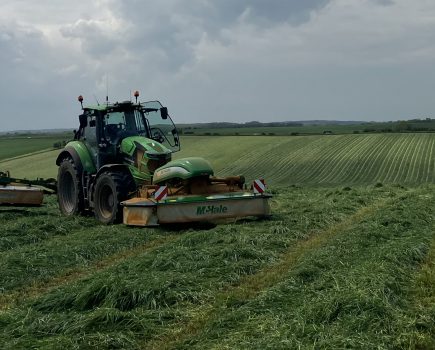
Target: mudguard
[(80, 155)]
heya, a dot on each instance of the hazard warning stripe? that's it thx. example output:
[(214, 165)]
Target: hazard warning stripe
[(161, 193), (259, 186)]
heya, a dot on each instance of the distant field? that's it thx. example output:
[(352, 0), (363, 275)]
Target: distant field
[(286, 160), (32, 166), (15, 146), (313, 128), (343, 159), (281, 130), (321, 160)]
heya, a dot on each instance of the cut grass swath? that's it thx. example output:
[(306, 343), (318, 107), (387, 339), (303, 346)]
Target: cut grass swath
[(352, 292)]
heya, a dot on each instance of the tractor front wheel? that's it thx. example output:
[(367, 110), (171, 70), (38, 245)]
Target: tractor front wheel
[(110, 190), (69, 189)]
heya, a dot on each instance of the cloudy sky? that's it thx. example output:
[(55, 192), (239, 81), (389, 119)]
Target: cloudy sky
[(218, 60)]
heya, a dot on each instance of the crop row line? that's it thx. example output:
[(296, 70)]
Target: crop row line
[(253, 158), (424, 161), (404, 167), (287, 161), (348, 164), (403, 158), (384, 171), (386, 147), (314, 154), (342, 165), (414, 162), (374, 149), (324, 159)]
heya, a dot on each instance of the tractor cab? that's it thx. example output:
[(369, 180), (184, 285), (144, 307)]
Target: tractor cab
[(108, 124), (104, 127)]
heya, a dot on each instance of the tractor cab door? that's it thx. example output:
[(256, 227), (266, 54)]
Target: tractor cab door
[(90, 135), (161, 127)]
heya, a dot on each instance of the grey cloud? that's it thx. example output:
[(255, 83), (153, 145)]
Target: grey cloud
[(94, 40), (384, 2), (173, 28), (219, 60), (292, 11)]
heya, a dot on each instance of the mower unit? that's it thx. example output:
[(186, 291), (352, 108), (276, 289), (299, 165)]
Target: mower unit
[(23, 192), (182, 209), (119, 166)]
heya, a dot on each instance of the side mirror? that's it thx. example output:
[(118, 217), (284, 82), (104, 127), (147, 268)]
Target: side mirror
[(83, 121), (164, 112)]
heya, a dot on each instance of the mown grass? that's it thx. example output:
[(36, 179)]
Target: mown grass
[(39, 243), (240, 285), (357, 291), (422, 303)]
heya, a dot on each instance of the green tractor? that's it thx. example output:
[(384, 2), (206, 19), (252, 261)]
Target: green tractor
[(121, 155)]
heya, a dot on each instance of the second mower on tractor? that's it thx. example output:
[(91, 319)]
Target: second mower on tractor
[(119, 166), (15, 191)]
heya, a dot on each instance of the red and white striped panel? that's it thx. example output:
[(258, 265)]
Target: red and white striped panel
[(259, 186), (161, 193)]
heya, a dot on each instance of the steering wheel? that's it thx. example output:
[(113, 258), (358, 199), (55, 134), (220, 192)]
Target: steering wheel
[(157, 135)]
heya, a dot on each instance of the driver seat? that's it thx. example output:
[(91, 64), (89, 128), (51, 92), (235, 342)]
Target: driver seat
[(111, 131)]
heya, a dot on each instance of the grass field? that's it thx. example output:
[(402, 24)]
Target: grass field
[(333, 268), (11, 147), (338, 265), (299, 160)]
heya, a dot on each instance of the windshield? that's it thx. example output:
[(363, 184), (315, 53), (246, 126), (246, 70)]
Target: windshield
[(162, 130), (124, 123)]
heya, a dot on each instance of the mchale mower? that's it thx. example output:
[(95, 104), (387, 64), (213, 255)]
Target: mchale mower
[(119, 166)]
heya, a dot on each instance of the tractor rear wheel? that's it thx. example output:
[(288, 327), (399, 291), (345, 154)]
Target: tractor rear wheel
[(110, 190), (69, 189)]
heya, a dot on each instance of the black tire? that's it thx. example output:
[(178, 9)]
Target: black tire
[(110, 190), (69, 189)]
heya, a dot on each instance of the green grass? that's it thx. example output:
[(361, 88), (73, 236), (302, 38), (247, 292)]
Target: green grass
[(346, 261), (42, 164), (334, 267), (355, 291), (301, 160), (321, 160), (14, 146)]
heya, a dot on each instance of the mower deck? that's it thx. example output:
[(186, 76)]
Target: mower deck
[(20, 195), (194, 208)]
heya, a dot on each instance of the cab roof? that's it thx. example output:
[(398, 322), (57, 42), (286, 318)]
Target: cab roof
[(104, 107)]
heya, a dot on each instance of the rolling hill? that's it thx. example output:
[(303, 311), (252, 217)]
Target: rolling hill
[(301, 160)]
